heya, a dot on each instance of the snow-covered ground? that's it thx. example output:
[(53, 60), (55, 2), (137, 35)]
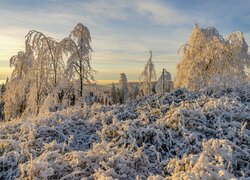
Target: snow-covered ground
[(182, 135)]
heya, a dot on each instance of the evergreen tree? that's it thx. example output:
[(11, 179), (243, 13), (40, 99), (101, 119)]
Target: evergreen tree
[(164, 84), (124, 87), (113, 94)]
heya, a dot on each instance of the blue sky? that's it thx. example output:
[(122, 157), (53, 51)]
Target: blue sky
[(122, 31)]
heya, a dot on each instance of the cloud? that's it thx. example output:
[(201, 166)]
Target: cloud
[(105, 9), (161, 13)]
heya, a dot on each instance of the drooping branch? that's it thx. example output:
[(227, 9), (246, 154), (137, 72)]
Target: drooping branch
[(40, 42)]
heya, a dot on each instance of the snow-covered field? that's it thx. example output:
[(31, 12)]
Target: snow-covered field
[(188, 135)]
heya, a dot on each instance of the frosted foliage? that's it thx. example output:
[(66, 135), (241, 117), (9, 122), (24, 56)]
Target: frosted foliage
[(50, 103), (164, 83), (214, 162), (18, 86), (178, 135), (239, 46), (113, 94), (148, 75), (15, 98), (210, 60), (124, 87), (77, 49), (36, 72), (48, 76), (22, 62), (47, 59), (81, 36)]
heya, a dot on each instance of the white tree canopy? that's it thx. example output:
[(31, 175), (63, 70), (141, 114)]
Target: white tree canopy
[(42, 79), (22, 62), (77, 47), (210, 60), (45, 49), (17, 88)]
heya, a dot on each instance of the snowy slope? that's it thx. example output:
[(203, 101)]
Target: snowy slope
[(178, 135)]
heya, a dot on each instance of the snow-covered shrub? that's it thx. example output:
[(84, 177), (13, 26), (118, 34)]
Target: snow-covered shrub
[(176, 135), (217, 160)]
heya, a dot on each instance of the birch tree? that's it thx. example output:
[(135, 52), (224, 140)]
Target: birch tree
[(47, 70), (209, 60), (45, 49), (77, 47)]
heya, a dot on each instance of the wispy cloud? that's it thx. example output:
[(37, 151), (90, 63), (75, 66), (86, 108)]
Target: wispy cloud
[(161, 13)]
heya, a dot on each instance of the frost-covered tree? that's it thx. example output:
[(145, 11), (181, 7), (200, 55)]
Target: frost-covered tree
[(210, 60), (118, 95), (124, 87), (148, 75), (47, 69), (77, 47), (2, 90), (134, 91), (40, 87), (21, 62), (46, 49), (113, 94), (41, 79), (17, 88), (164, 84)]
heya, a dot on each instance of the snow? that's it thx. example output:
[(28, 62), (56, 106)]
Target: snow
[(178, 135)]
